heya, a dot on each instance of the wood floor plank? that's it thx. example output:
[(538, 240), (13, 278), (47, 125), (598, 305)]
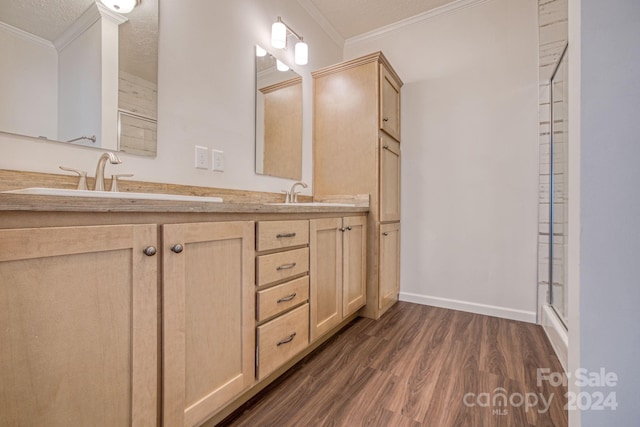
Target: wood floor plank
[(415, 367)]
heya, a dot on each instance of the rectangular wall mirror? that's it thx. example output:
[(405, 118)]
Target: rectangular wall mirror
[(278, 118), (77, 72)]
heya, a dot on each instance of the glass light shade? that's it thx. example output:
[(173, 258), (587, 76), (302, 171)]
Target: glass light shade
[(260, 51), (281, 66), (278, 35), (120, 6), (302, 53)]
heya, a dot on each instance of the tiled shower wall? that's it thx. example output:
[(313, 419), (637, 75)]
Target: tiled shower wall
[(553, 35)]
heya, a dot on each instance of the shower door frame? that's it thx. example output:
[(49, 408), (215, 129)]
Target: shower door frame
[(560, 317)]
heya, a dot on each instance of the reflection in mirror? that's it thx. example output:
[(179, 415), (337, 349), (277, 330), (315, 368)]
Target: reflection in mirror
[(80, 73), (278, 118)]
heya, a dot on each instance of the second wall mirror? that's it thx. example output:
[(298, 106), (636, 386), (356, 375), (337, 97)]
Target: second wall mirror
[(278, 118)]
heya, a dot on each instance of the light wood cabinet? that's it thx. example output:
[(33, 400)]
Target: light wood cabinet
[(389, 118), (389, 179), (79, 334), (337, 271), (357, 150), (208, 318), (389, 264), (354, 266)]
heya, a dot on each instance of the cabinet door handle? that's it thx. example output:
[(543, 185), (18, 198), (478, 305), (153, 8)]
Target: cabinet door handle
[(386, 147), (385, 119), (287, 298), (385, 234), (177, 248), (342, 229), (149, 251), (287, 339), (283, 235), (349, 228), (286, 266)]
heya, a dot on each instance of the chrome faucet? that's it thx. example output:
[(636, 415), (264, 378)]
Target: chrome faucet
[(102, 161), (292, 195)]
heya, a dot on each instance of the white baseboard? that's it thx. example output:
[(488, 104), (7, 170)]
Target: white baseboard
[(557, 334), (471, 307)]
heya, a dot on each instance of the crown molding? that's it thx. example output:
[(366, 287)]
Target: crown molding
[(90, 16), (446, 9), (322, 21), (32, 38)]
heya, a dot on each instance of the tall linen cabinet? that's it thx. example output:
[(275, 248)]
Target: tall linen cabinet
[(357, 151)]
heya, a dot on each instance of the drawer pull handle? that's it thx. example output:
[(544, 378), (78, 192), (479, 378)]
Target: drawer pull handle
[(385, 234), (386, 147), (288, 298), (149, 251), (283, 235), (385, 119), (287, 339), (286, 266), (177, 248)]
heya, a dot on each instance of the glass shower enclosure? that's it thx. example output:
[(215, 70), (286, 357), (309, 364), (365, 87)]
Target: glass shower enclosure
[(558, 298)]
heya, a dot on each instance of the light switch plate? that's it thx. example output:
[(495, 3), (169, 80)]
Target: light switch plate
[(217, 160), (202, 157)]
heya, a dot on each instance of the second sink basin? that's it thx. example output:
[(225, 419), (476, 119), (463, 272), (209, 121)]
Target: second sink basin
[(112, 195), (319, 204)]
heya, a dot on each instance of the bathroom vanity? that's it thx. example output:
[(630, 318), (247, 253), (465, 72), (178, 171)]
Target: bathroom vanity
[(157, 312)]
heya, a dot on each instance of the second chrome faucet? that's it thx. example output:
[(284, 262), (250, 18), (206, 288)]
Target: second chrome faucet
[(291, 196)]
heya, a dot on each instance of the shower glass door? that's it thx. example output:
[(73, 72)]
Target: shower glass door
[(559, 191)]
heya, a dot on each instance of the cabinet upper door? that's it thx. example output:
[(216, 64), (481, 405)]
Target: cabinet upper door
[(355, 264), (325, 274), (389, 103), (78, 309), (208, 318), (389, 179), (389, 265)]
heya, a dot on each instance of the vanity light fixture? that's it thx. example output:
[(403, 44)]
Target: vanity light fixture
[(279, 40), (260, 51), (281, 66), (121, 6)]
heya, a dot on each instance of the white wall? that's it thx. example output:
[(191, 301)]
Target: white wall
[(205, 95), (28, 95), (469, 156), (608, 59)]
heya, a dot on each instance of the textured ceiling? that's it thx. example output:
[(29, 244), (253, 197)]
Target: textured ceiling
[(48, 19), (354, 17)]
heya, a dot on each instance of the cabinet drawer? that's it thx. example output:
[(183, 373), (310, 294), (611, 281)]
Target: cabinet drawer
[(281, 265), (275, 300), (281, 339), (281, 234)]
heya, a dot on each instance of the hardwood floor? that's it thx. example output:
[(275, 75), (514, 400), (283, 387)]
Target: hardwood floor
[(417, 366)]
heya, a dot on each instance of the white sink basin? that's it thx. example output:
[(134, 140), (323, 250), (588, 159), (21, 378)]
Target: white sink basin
[(111, 195), (320, 204)]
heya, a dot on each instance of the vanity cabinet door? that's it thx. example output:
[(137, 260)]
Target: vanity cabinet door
[(389, 103), (354, 264), (79, 334), (208, 318), (325, 274), (389, 265), (389, 179)]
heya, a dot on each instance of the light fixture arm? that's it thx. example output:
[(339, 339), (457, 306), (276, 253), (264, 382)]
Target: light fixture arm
[(298, 36)]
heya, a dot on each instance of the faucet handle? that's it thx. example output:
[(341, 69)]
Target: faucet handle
[(287, 196), (294, 197), (82, 182), (114, 181)]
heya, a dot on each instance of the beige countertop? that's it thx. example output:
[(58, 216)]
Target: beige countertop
[(38, 203)]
